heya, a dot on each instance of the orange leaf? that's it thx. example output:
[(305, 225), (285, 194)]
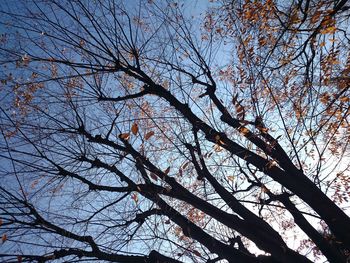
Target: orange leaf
[(149, 135), (315, 18), (124, 136), (231, 178), (134, 128), (328, 30), (344, 99), (262, 41), (4, 238), (244, 130), (239, 108)]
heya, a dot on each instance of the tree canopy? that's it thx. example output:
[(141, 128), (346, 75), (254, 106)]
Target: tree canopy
[(163, 131)]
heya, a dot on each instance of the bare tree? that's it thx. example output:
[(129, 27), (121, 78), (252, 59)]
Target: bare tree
[(174, 132)]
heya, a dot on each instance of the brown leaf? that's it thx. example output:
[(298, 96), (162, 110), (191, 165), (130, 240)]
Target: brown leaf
[(153, 176), (149, 135), (264, 189), (134, 128), (231, 178), (243, 130), (124, 136), (239, 108), (263, 129), (196, 252), (185, 165), (4, 238)]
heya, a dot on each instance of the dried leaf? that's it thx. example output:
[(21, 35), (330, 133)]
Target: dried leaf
[(264, 189), (264, 129), (243, 130), (239, 108), (196, 252), (328, 30), (315, 17), (153, 176), (134, 128), (344, 99), (4, 238), (231, 178), (185, 165), (220, 142), (124, 136), (149, 135)]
